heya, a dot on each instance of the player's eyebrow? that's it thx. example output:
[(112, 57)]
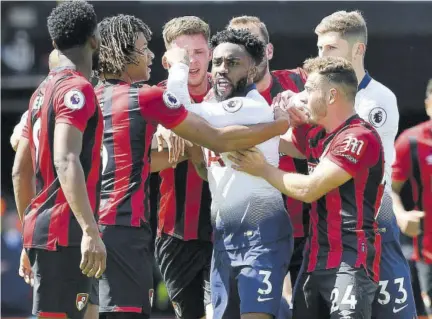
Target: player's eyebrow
[(229, 58)]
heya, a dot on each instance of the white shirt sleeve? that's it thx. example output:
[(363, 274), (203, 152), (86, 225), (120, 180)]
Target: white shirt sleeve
[(383, 115), (177, 84)]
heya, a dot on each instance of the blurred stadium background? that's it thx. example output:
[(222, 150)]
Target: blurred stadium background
[(399, 55)]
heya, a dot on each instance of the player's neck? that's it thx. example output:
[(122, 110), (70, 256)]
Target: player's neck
[(359, 71), (77, 59), (333, 121), (124, 77), (265, 82), (200, 89)]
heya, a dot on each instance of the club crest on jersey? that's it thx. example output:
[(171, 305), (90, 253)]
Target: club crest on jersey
[(151, 294), (377, 117), (177, 309), (81, 300), (232, 105), (171, 100), (74, 99)]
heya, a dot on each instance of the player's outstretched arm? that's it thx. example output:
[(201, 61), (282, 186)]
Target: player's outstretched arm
[(23, 177), (67, 150), (306, 188), (196, 156), (197, 130)]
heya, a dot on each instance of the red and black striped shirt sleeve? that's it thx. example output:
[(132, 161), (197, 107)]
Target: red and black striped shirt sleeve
[(153, 108), (75, 105)]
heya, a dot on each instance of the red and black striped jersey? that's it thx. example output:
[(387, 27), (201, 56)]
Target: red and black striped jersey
[(66, 96), (343, 222), (131, 114), (298, 211), (185, 199), (414, 164)]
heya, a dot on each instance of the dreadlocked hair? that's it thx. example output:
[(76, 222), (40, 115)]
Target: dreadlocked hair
[(118, 38), (254, 46)]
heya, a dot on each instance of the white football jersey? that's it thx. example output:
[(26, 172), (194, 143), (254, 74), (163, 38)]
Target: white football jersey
[(377, 104), (245, 209)]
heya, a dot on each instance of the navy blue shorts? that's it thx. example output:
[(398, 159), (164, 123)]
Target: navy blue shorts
[(339, 293), (394, 298), (249, 279)]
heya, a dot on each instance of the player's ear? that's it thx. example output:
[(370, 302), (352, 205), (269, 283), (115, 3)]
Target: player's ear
[(210, 55), (359, 49), (332, 96), (269, 51), (252, 73)]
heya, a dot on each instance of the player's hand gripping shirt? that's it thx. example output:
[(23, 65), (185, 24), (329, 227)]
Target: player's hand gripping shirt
[(246, 210)]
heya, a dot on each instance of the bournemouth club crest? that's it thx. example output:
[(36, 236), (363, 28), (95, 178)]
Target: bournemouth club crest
[(81, 301)]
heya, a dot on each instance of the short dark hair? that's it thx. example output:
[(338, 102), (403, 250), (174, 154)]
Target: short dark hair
[(118, 38), (254, 46), (336, 70), (71, 23)]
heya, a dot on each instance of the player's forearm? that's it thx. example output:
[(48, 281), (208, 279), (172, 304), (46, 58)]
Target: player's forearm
[(72, 181), (195, 155), (288, 148), (232, 138), (293, 185), (177, 83), (23, 178), (24, 188), (201, 170), (160, 161), (398, 206)]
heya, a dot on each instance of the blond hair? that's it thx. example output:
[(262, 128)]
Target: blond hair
[(350, 25), (251, 20), (187, 25), (335, 70)]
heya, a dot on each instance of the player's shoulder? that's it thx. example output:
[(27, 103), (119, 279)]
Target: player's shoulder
[(379, 94), (75, 84), (359, 128), (415, 131), (290, 77)]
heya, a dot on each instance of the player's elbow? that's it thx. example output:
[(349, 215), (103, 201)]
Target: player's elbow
[(309, 194), (63, 161)]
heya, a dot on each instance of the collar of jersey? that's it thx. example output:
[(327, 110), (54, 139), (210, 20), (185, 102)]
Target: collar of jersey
[(250, 88), (364, 82)]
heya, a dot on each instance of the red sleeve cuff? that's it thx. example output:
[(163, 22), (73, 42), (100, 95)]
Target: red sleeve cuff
[(178, 120), (342, 164)]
